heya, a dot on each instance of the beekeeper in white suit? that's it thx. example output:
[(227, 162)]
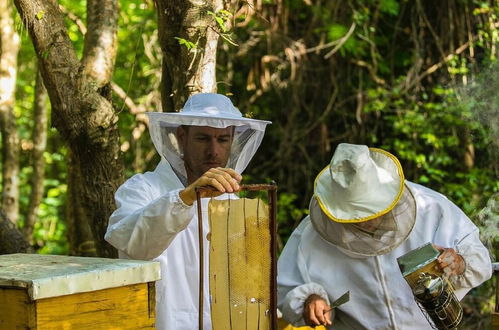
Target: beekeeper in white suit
[(363, 216), (208, 143)]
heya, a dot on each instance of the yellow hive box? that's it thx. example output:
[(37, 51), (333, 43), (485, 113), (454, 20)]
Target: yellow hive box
[(63, 292)]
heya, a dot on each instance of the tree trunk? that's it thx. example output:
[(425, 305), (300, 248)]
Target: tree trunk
[(38, 163), (81, 111), (9, 47), (187, 71), (101, 41), (80, 235), (11, 239)]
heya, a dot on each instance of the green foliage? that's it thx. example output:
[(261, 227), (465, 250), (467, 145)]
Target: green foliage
[(398, 82), (189, 44), (389, 6), (429, 138), (137, 22), (138, 73), (288, 215), (50, 231), (221, 17)]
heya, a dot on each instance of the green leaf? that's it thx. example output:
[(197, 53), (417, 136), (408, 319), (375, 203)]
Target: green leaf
[(53, 192), (389, 6), (189, 44), (219, 19), (40, 14), (225, 13), (336, 31)]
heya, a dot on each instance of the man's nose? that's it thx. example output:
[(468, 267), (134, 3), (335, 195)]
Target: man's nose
[(214, 148)]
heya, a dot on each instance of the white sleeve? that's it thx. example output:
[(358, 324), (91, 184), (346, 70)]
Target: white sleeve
[(292, 289), (457, 231), (144, 224), (478, 264)]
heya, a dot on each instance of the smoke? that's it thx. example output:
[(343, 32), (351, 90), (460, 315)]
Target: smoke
[(481, 98), (488, 218)]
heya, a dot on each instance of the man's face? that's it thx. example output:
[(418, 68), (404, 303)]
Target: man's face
[(204, 148), (369, 226), (384, 223)]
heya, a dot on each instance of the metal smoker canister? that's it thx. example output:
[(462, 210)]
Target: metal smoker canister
[(432, 291), (436, 296)]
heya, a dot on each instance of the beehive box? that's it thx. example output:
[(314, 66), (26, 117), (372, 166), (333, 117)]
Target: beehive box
[(63, 292)]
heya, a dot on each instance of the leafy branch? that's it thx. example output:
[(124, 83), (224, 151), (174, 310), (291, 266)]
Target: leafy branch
[(189, 44), (222, 17)]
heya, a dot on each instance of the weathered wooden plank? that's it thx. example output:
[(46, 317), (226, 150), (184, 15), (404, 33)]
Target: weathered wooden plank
[(120, 308), (240, 264), (258, 244), (219, 265), (495, 320), (264, 316), (16, 309)]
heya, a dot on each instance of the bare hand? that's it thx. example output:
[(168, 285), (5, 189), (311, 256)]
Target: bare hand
[(450, 261), (313, 311), (224, 180)]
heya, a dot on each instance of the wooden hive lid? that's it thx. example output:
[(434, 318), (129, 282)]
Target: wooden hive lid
[(47, 276)]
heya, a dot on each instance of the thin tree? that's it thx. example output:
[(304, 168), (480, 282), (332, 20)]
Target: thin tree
[(82, 113), (189, 38), (38, 162), (9, 47)]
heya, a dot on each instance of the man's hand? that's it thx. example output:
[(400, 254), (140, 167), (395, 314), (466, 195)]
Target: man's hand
[(450, 261), (224, 180), (313, 311)]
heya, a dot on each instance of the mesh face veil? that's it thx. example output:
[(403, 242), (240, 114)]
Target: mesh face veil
[(370, 238), (213, 110)]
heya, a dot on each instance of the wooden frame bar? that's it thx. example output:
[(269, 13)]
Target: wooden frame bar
[(272, 198)]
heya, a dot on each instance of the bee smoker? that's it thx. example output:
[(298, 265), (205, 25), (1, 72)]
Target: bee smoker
[(432, 291)]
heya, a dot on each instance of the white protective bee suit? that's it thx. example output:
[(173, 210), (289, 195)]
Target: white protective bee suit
[(328, 258), (152, 223)]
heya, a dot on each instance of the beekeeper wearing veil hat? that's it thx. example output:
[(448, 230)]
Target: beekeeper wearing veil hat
[(208, 143), (363, 216)]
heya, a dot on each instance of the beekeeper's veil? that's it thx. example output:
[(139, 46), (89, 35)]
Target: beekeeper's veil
[(361, 203), (212, 110)]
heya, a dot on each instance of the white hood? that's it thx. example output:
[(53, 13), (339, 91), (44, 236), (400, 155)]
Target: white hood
[(206, 109)]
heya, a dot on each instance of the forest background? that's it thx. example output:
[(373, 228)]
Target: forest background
[(417, 78)]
